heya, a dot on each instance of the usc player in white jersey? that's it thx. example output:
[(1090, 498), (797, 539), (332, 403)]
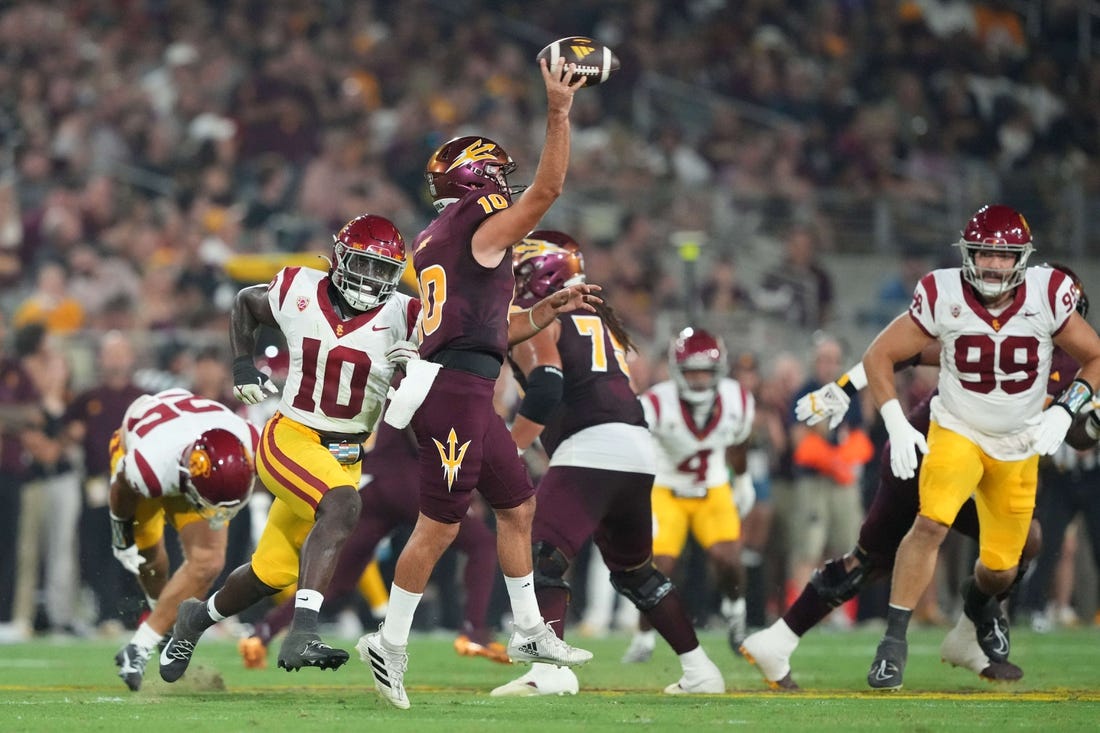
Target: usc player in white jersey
[(700, 421), (997, 322), (181, 459), (346, 331)]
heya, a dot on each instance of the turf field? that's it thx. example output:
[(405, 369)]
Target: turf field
[(51, 685)]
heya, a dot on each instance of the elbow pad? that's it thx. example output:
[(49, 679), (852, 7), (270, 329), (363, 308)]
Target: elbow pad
[(545, 386)]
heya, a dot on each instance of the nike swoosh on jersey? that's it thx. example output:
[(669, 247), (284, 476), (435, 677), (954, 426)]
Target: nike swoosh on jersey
[(378, 328)]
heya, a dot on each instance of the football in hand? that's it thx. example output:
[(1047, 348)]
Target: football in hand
[(595, 61)]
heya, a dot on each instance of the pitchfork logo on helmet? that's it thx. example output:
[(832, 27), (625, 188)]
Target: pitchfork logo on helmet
[(697, 362), (216, 475), (544, 262), (1000, 229), (368, 259), (465, 164)]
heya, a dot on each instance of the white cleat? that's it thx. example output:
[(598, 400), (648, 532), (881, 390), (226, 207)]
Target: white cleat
[(960, 647), (543, 645), (542, 679), (708, 682), (770, 650), (388, 665), (641, 648)]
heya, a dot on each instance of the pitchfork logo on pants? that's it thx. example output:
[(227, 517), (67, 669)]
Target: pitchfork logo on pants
[(452, 457)]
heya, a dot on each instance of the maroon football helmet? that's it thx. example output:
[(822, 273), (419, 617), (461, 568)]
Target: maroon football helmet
[(697, 350), (216, 475), (995, 228), (368, 259), (544, 262), (467, 163)]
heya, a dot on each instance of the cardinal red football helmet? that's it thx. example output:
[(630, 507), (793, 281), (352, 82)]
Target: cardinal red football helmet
[(467, 163), (697, 350), (368, 259), (1001, 229), (217, 474), (544, 262)]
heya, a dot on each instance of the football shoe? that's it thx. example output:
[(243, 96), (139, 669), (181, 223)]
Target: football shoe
[(542, 679), (131, 661), (387, 664), (889, 666), (707, 681), (176, 654), (641, 648), (769, 650), (253, 652), (960, 648), (493, 651), (737, 625), (543, 645), (305, 649)]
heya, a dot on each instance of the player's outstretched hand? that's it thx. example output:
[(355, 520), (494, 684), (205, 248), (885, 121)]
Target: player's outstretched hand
[(575, 297), (905, 440), (830, 401)]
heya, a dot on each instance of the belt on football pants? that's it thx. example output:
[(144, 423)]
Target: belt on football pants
[(475, 362)]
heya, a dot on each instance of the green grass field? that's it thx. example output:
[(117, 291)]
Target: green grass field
[(49, 685)]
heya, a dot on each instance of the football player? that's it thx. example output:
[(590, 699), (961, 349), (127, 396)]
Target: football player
[(700, 420), (463, 264), (181, 459), (389, 498), (346, 331), (889, 517), (578, 398), (997, 322)]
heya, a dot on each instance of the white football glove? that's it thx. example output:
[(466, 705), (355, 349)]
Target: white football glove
[(744, 494), (400, 353), (249, 383), (130, 558), (905, 440), (1053, 426), (830, 401)]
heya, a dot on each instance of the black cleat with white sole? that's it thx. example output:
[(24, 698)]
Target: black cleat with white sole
[(302, 649), (889, 666)]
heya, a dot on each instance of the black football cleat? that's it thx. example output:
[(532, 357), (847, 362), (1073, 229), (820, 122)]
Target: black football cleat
[(189, 627), (889, 666), (301, 649), (131, 661)]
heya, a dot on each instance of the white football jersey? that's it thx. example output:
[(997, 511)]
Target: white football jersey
[(158, 428), (338, 375), (993, 368), (692, 458)]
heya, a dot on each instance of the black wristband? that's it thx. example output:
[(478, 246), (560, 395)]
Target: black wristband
[(849, 388), (122, 532), (245, 371)]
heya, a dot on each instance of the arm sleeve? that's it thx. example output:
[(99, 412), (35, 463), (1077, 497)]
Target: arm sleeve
[(545, 386)]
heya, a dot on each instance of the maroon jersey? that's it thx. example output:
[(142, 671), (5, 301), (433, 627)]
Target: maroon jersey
[(101, 410), (596, 389), (1063, 368), (465, 305)]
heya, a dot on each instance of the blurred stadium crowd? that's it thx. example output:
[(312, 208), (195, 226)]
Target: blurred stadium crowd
[(158, 155)]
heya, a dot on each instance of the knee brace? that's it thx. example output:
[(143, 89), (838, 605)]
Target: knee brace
[(550, 565), (836, 585), (644, 586)]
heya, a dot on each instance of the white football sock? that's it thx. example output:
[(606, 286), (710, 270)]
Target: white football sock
[(399, 616)]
